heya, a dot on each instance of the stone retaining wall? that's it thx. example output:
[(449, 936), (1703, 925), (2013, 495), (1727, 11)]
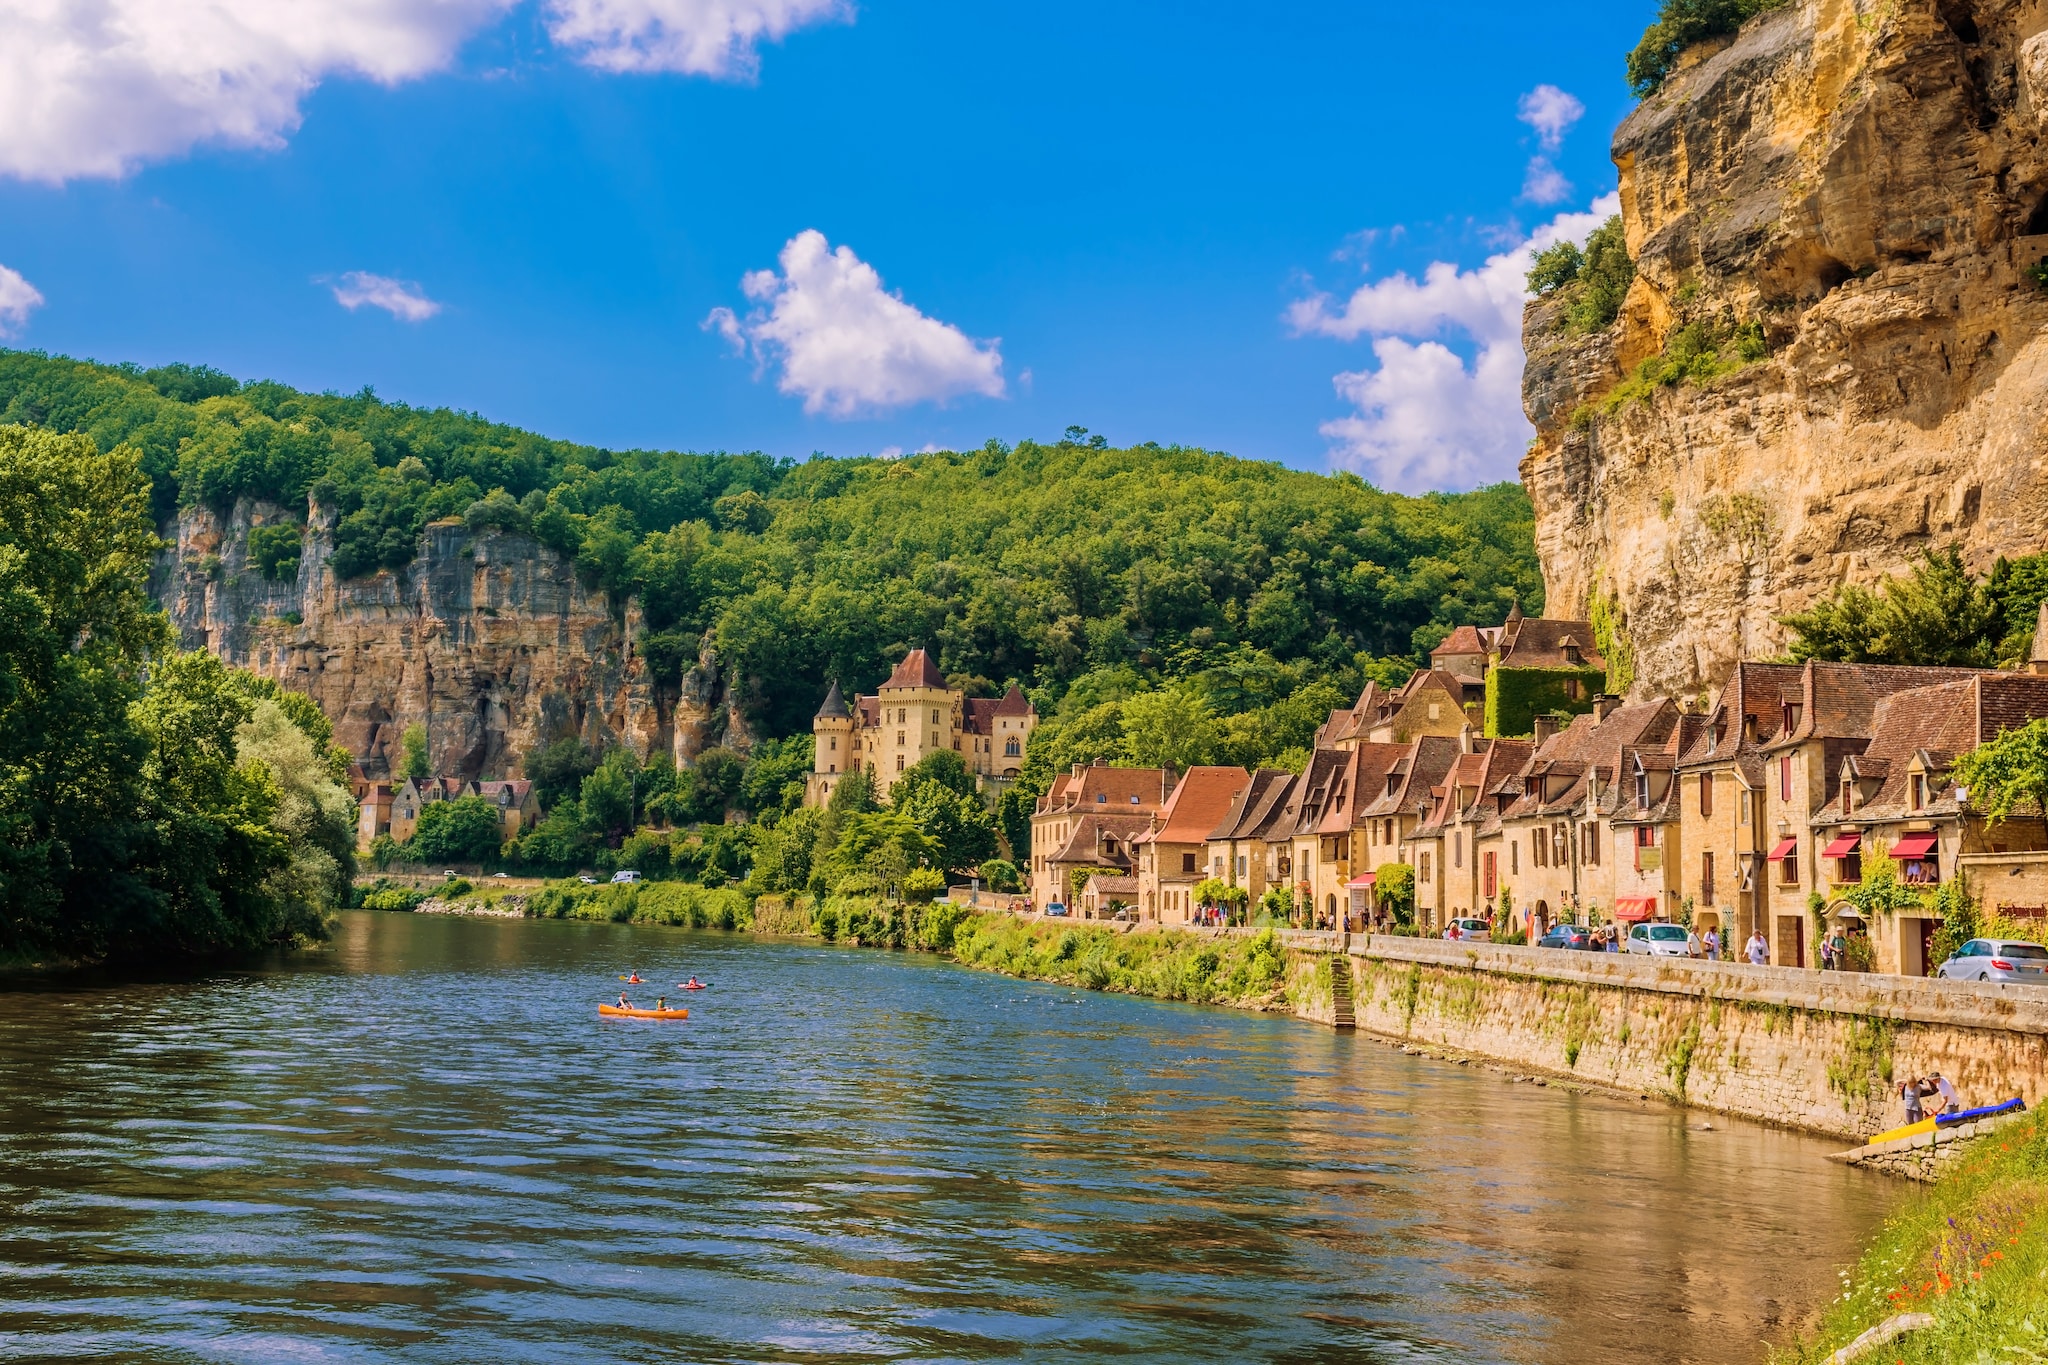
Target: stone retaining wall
[(1811, 1050)]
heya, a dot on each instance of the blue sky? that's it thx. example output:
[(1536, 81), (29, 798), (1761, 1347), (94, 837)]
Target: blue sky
[(1150, 219)]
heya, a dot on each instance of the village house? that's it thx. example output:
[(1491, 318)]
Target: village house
[(1405, 795), (373, 813), (414, 796), (517, 802), (1896, 796), (1088, 820), (1173, 854), (1237, 845), (912, 716), (1350, 834), (1646, 849), (1462, 832), (1432, 702)]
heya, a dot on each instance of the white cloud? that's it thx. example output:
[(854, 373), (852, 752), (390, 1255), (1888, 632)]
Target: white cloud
[(1544, 183), (402, 299), (97, 88), (1551, 112), (1426, 417), (845, 344), (695, 37), (18, 298)]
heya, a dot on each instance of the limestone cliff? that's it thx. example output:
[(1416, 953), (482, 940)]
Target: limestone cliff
[(1868, 181), (486, 638)]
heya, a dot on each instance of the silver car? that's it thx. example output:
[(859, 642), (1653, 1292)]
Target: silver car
[(1659, 940), (1470, 931), (1997, 959)]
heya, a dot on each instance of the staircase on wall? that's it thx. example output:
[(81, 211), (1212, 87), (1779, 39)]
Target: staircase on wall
[(1340, 993)]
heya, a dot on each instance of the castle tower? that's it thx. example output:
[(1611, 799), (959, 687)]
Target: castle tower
[(833, 729), (919, 715)]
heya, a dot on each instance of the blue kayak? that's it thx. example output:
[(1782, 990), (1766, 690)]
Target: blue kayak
[(2011, 1106)]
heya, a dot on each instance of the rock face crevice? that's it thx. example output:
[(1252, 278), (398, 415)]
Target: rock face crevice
[(1867, 182), (486, 638)]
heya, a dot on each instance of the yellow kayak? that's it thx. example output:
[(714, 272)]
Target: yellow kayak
[(1910, 1130), (615, 1012)]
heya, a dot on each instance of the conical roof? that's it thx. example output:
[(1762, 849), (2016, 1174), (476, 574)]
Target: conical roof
[(835, 705)]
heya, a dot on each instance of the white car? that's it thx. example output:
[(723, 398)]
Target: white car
[(1470, 931), (1659, 940), (625, 876), (1997, 959)]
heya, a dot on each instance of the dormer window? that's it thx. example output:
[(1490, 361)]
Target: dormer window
[(1101, 798), (1919, 790), (1791, 717)]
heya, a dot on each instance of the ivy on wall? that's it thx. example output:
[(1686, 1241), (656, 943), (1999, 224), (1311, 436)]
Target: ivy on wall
[(1516, 696)]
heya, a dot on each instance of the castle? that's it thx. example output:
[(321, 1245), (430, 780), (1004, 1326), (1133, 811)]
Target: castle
[(912, 716)]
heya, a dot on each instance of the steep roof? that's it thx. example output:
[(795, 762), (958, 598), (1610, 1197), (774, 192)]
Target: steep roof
[(1929, 727), (917, 670), (1085, 844), (1554, 779), (1201, 798), (1253, 809), (978, 715), (1014, 703), (1413, 777), (1099, 785), (834, 707), (1538, 642), (1463, 640)]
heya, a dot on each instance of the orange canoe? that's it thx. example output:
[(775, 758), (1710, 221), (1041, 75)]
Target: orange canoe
[(617, 1013)]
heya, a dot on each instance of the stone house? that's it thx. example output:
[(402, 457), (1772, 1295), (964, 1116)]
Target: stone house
[(910, 717), (1432, 702), (1897, 795), (1104, 894), (414, 796), (1087, 819), (1237, 845), (373, 813), (1646, 829), (1391, 814), (1823, 718), (1463, 829), (1173, 855), (517, 802)]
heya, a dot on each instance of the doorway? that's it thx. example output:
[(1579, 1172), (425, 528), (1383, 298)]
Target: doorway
[(1791, 944)]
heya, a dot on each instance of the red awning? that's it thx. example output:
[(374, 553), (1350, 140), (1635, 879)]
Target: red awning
[(1913, 846), (1367, 880), (1843, 846), (1785, 849), (1629, 908)]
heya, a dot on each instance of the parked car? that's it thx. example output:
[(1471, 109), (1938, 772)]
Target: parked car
[(1567, 936), (625, 876), (1122, 915), (1470, 931), (1658, 940), (1997, 959), (1055, 909), (501, 874), (588, 881)]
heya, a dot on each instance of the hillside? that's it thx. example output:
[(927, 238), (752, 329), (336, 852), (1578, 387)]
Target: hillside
[(1832, 354), (508, 590)]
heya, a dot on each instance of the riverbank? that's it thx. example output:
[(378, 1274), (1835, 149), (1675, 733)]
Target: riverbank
[(1967, 1261)]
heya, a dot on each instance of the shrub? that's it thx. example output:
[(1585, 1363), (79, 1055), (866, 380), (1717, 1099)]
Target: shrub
[(922, 885), (1557, 265), (385, 896), (456, 888), (1680, 24), (1001, 874), (1603, 281), (275, 550), (460, 831)]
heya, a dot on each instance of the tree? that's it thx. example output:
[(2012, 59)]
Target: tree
[(1013, 818), (416, 765), (1603, 280), (1680, 25), (775, 775), (558, 769), (1937, 614), (314, 813), (718, 776), (1001, 875), (944, 769), (2008, 774), (465, 830), (607, 797), (1555, 266), (960, 829), (1172, 727), (1393, 887), (923, 885)]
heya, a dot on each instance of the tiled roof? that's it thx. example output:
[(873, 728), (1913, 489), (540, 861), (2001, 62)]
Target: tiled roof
[(978, 715), (917, 670), (1253, 810), (1101, 786), (1535, 642), (1463, 640), (1084, 845), (1928, 727), (1555, 778), (1429, 759), (1201, 798), (834, 706), (1014, 703)]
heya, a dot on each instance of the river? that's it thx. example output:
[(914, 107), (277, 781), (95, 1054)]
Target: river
[(421, 1144)]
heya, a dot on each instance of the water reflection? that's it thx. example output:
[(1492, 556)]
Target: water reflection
[(423, 1145)]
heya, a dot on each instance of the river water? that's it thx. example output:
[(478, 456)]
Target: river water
[(421, 1144)]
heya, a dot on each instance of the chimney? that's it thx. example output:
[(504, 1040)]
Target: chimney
[(1465, 739), (2037, 657), (1545, 727), (1603, 706)]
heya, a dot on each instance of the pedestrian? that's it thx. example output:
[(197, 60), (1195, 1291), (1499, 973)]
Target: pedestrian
[(1759, 949), (1909, 1091), (1713, 944), (1692, 942), (1827, 954), (1951, 1102)]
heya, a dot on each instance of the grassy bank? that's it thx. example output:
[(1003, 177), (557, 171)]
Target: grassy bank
[(1255, 972), (1971, 1250)]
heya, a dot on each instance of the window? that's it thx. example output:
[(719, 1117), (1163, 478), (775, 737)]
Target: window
[(1706, 793), (1785, 778), (1642, 789), (1422, 872), (1646, 836), (902, 716), (1390, 832), (899, 763), (1789, 875), (935, 717), (1919, 790), (1101, 798), (1491, 877), (835, 744), (1187, 862), (1457, 848), (899, 739), (1742, 806), (1514, 856), (1706, 878), (1590, 842), (1011, 748), (1435, 711), (1538, 847)]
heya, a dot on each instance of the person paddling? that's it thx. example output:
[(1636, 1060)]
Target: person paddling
[(624, 1003), (693, 984), (660, 1003)]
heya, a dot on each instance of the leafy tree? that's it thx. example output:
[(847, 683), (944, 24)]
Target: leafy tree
[(1394, 891), (1170, 728), (1001, 875), (1681, 24), (1602, 282), (607, 796), (944, 769), (923, 885), (1936, 614), (775, 774), (416, 765), (275, 550), (2008, 774), (557, 771), (315, 814), (718, 777), (1013, 819), (960, 829), (1556, 266), (465, 830)]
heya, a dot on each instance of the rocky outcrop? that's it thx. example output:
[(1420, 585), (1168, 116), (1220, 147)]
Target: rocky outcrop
[(1867, 181), (487, 639)]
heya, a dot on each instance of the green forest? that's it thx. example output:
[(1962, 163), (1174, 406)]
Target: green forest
[(1039, 563)]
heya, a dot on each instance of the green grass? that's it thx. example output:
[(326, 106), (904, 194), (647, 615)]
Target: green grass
[(1972, 1250), (683, 905), (1163, 964)]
